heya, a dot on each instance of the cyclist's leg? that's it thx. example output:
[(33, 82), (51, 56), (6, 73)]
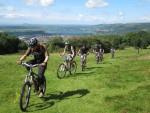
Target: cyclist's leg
[(66, 61), (96, 55), (81, 59), (85, 59), (41, 71), (70, 59)]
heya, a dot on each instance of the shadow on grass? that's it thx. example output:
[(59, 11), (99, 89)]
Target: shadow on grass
[(87, 72), (91, 68), (83, 74), (52, 98), (61, 96)]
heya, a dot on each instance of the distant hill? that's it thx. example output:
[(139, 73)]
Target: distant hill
[(29, 29), (123, 28)]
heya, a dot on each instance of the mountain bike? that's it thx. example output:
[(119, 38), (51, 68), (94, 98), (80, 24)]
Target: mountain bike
[(30, 80), (63, 68)]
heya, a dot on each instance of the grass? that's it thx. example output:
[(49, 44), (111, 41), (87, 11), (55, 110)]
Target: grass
[(120, 85)]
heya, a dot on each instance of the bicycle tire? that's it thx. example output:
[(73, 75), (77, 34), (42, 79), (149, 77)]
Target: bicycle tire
[(74, 65), (23, 106), (61, 68)]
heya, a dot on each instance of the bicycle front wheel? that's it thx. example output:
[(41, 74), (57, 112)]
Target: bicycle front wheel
[(61, 71), (73, 67), (25, 96)]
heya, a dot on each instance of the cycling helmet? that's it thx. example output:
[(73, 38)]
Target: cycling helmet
[(67, 43), (33, 42)]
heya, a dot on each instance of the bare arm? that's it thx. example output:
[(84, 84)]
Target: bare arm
[(64, 51), (79, 51), (46, 56), (25, 55), (72, 50)]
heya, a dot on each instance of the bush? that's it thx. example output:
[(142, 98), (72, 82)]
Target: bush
[(10, 44), (122, 46), (22, 45)]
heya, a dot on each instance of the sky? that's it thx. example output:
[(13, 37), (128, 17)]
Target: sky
[(87, 12)]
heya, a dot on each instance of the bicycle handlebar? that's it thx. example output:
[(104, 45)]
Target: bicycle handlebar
[(29, 65)]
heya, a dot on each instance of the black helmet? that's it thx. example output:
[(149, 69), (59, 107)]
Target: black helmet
[(33, 42)]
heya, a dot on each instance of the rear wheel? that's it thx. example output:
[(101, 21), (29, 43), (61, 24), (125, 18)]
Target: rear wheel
[(61, 71), (25, 96)]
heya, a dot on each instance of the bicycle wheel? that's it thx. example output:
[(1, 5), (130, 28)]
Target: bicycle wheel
[(44, 85), (73, 67), (61, 71), (25, 96)]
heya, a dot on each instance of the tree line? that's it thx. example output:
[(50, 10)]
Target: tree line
[(141, 39), (137, 40)]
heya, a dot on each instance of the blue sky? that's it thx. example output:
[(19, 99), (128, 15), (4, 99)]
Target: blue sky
[(74, 11)]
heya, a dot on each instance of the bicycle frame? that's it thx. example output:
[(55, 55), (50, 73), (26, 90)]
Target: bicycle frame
[(26, 88), (29, 76), (67, 62)]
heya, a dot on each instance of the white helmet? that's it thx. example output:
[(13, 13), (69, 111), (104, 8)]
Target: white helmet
[(33, 42)]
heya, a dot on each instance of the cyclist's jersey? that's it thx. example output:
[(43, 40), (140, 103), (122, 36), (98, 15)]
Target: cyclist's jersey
[(68, 50), (101, 50), (38, 52), (83, 51)]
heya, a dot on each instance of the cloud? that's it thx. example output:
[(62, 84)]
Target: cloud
[(40, 2), (96, 3), (145, 18), (13, 15), (30, 2), (67, 18), (46, 2), (9, 12), (121, 15), (56, 17), (104, 18), (6, 8)]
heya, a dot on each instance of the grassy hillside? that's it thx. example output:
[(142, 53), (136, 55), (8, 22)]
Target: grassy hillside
[(120, 85)]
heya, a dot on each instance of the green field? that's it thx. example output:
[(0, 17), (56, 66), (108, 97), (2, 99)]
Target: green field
[(120, 85)]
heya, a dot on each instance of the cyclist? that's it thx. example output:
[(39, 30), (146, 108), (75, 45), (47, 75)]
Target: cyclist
[(83, 52), (112, 51), (69, 53), (98, 50), (41, 56)]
